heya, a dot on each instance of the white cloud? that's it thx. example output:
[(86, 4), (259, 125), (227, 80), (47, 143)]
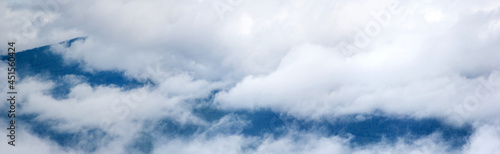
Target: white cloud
[(431, 59), (29, 143), (421, 71), (486, 140), (297, 143)]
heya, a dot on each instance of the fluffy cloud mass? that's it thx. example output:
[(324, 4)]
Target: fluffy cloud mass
[(311, 60)]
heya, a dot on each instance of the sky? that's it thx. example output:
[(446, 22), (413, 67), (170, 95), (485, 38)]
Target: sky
[(241, 76)]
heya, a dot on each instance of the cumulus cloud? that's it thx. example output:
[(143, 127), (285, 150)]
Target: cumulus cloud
[(307, 59), (486, 140)]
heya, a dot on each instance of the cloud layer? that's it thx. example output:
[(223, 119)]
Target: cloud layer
[(312, 60)]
